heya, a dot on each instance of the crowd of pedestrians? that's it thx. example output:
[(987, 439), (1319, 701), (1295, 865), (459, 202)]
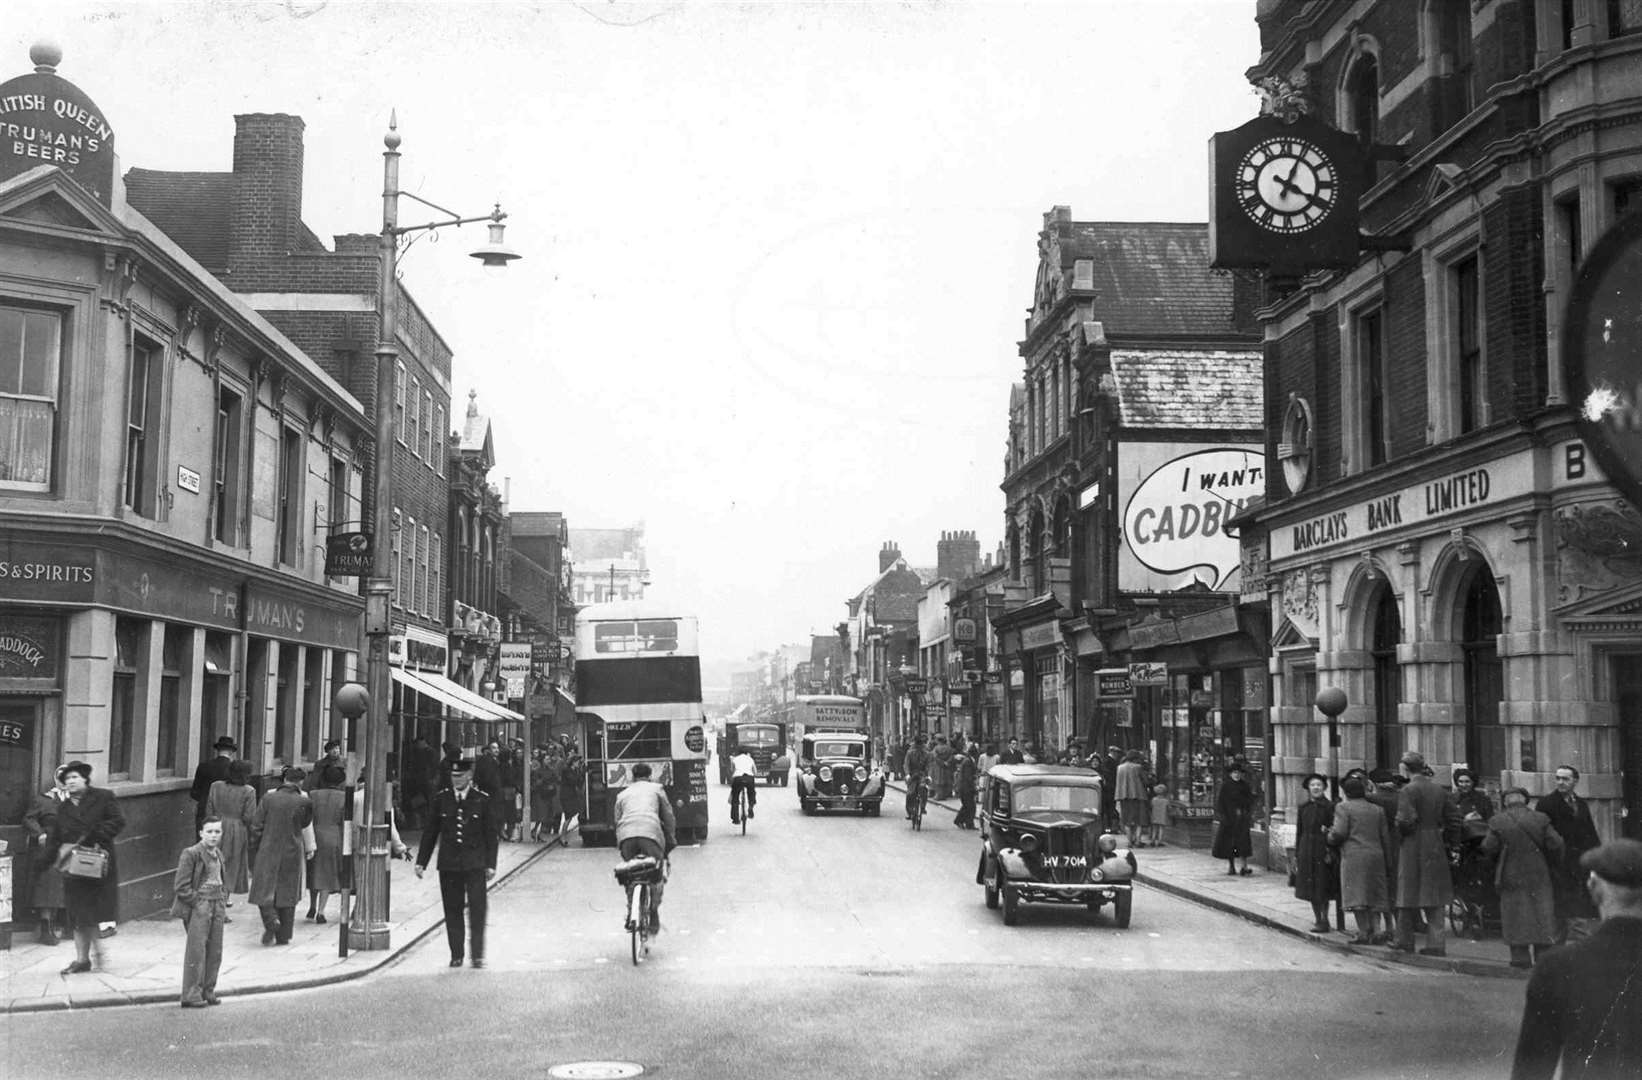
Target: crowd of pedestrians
[(1397, 850), (271, 849)]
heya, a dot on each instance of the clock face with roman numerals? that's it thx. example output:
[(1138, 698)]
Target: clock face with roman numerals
[(1286, 185)]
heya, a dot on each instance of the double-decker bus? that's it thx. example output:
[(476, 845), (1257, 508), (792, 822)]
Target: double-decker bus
[(638, 698)]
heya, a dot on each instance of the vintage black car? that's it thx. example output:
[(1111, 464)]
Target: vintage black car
[(1042, 840), (837, 773)]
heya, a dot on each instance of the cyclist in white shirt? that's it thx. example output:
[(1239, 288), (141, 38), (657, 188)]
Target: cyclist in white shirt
[(645, 826), (743, 774)]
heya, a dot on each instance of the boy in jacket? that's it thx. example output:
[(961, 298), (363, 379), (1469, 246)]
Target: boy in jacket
[(199, 903)]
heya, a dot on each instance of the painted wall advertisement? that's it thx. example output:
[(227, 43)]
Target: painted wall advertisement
[(1176, 500)]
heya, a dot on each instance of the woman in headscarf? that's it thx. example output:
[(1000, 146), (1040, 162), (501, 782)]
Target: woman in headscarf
[(89, 817), (234, 800), (1314, 871), (1234, 806)]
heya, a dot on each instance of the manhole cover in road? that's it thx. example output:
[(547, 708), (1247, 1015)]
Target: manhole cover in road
[(596, 1070)]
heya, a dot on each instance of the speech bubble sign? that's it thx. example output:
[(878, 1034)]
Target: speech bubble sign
[(1176, 519)]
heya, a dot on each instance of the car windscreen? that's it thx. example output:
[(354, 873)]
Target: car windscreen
[(840, 749), (762, 737), (1030, 798)]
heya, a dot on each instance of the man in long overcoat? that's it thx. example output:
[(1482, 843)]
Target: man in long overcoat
[(1525, 845), (209, 772), (1429, 824), (277, 855), (1571, 818)]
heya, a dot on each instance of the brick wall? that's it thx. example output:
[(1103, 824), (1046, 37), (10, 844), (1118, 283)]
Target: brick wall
[(1406, 359), (1514, 326)]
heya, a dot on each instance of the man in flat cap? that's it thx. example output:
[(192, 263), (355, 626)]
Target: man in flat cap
[(1430, 824), (463, 827), (1584, 1003), (209, 772)]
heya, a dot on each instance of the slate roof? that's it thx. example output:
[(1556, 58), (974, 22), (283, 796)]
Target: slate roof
[(535, 522), (190, 207), (588, 544), (1189, 388), (1152, 277)]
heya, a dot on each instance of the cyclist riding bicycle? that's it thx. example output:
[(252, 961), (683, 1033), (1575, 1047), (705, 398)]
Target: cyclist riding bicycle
[(645, 826), (743, 776), (918, 761)]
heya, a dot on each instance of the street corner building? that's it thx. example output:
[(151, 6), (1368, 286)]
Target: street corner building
[(170, 464)]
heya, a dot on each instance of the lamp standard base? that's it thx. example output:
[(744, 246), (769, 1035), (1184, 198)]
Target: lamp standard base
[(368, 922)]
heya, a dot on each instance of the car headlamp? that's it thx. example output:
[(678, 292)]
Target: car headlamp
[(861, 773), (1030, 843), (826, 774), (1108, 843)]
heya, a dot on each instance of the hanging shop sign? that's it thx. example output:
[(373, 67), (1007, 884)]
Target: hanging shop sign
[(963, 631), (917, 685), (47, 120), (1114, 683), (1149, 674), (1602, 354), (1283, 196), (349, 554), (30, 647), (1041, 636)]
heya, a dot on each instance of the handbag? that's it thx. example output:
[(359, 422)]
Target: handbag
[(84, 862)]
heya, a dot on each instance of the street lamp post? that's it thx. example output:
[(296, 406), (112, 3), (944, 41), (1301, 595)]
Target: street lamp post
[(368, 926), (1331, 702)]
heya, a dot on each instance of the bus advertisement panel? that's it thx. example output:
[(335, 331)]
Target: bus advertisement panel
[(638, 698)]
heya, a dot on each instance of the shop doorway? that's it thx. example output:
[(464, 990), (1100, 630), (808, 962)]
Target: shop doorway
[(1626, 669), (20, 736)]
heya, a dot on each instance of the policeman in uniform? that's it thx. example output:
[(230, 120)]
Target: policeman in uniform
[(463, 828)]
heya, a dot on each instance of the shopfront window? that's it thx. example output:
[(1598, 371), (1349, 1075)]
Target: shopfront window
[(129, 637), (1048, 733), (285, 703), (174, 661)]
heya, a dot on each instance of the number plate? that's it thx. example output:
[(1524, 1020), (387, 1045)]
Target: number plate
[(1064, 861)]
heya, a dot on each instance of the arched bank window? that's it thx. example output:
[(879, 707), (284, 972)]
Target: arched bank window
[(1386, 737), (1484, 676)]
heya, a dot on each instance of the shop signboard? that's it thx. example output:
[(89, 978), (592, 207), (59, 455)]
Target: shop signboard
[(917, 685), (963, 631), (513, 666), (47, 120), (1151, 673), (1040, 636), (993, 677), (30, 648), (1114, 683), (1176, 500)]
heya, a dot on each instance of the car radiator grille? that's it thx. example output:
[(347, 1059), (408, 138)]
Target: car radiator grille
[(1068, 840)]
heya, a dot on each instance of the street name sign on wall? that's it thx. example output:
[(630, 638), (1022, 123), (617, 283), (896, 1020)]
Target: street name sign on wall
[(1602, 354), (47, 120)]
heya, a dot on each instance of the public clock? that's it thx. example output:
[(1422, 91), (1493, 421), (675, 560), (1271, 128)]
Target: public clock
[(1286, 184)]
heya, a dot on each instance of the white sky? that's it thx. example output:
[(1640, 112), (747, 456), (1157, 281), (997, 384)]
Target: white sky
[(777, 256)]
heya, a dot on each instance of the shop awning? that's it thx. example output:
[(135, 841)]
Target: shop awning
[(452, 695)]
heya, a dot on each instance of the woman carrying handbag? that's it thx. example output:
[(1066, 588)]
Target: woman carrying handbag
[(84, 830)]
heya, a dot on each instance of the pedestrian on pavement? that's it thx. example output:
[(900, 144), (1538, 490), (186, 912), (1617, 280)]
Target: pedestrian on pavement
[(1571, 818), (544, 793), (463, 827), (1158, 814), (325, 869), (1584, 1002), (1316, 862), (1234, 807), (964, 784), (200, 901), (1132, 795), (1382, 792), (1473, 803), (89, 817), (507, 797), (572, 787), (234, 803), (897, 757), (46, 886), (1524, 846), (487, 777), (209, 772), (330, 754), (1107, 767), (1429, 825), (1362, 834), (417, 780), (278, 852), (1013, 755)]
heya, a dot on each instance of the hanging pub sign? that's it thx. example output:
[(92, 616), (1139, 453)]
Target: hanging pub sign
[(348, 554), (1283, 196), (1602, 354), (47, 120)]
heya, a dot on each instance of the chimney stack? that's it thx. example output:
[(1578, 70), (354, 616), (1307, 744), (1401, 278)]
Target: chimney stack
[(888, 556), (266, 220)]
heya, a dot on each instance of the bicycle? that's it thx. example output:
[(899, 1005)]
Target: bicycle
[(920, 804), (738, 808), (639, 875)]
